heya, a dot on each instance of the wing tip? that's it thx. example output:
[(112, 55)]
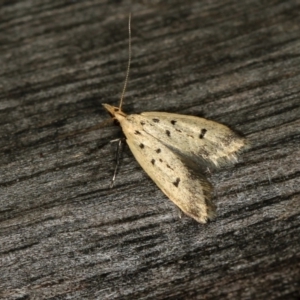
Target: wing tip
[(240, 145), (207, 216)]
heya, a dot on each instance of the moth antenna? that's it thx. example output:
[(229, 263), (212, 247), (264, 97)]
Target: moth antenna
[(129, 61)]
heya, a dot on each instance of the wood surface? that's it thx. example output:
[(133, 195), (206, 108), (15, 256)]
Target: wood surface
[(64, 233)]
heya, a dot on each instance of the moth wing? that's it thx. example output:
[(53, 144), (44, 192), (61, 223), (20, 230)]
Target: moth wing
[(195, 138), (188, 189)]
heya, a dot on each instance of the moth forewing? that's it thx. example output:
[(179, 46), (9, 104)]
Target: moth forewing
[(196, 137), (187, 189)]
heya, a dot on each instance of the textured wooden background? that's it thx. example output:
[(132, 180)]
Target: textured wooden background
[(64, 233)]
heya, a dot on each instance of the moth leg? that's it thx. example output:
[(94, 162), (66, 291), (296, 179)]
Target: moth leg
[(115, 140), (180, 213), (118, 157), (207, 171)]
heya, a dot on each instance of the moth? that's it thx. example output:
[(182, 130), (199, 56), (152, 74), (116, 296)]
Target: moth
[(173, 150)]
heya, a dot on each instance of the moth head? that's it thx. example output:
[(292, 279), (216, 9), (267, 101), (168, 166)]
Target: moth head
[(114, 111)]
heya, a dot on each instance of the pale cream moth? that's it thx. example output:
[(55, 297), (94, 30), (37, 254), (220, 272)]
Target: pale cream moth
[(171, 149)]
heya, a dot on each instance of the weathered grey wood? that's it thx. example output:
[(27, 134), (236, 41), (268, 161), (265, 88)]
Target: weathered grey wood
[(64, 233)]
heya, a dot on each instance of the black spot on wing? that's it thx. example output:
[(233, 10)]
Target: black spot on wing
[(137, 132), (173, 122), (158, 150), (160, 160), (168, 166), (152, 161), (176, 182), (155, 120), (142, 123), (203, 131), (168, 133), (142, 146)]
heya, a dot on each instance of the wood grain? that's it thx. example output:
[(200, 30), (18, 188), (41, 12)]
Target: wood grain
[(64, 233)]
